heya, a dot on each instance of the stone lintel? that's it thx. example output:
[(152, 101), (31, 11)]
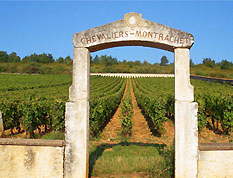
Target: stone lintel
[(133, 30)]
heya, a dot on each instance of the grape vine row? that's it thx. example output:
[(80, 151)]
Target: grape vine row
[(30, 102), (155, 97)]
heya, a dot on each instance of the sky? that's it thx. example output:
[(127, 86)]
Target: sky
[(28, 27)]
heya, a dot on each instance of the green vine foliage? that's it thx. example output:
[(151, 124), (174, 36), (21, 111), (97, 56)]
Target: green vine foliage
[(154, 108), (227, 120), (57, 115), (32, 101), (36, 102), (155, 97), (35, 114), (11, 114), (102, 109), (126, 114)]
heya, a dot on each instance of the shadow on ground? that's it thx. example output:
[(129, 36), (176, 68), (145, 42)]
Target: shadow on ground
[(98, 151), (214, 129)]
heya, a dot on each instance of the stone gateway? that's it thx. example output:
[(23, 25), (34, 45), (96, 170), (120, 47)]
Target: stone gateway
[(133, 30)]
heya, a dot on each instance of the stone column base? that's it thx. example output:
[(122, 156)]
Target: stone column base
[(186, 139), (77, 138)]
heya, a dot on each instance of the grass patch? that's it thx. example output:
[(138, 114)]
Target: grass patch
[(54, 135), (128, 158)]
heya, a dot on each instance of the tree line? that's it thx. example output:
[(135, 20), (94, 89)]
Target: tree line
[(48, 58), (47, 64), (109, 61), (37, 58), (224, 64), (104, 59)]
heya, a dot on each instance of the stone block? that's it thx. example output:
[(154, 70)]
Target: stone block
[(31, 161), (80, 88), (77, 138), (186, 139), (1, 125), (215, 164), (183, 89)]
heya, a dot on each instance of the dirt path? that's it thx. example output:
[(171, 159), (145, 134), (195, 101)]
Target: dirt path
[(141, 131), (209, 136), (111, 133)]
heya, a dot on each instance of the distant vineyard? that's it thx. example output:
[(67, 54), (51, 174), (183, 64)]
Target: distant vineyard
[(155, 96), (32, 101)]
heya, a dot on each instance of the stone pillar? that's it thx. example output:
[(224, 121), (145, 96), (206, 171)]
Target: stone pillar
[(186, 131), (77, 117), (1, 126)]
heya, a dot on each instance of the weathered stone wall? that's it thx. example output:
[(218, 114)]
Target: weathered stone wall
[(215, 160), (215, 164), (31, 158)]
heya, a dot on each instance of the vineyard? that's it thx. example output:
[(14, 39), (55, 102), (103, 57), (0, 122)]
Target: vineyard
[(155, 96), (30, 102), (37, 102), (126, 113)]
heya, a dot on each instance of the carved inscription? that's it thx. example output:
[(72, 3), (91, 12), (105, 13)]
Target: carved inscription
[(136, 34)]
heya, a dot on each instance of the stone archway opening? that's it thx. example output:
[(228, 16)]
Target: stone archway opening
[(133, 30)]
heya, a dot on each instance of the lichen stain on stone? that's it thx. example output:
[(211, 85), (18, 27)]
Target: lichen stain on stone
[(3, 148), (8, 157), (56, 162), (196, 106), (29, 159), (69, 160)]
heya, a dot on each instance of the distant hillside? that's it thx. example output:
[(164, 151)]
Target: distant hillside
[(46, 64)]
